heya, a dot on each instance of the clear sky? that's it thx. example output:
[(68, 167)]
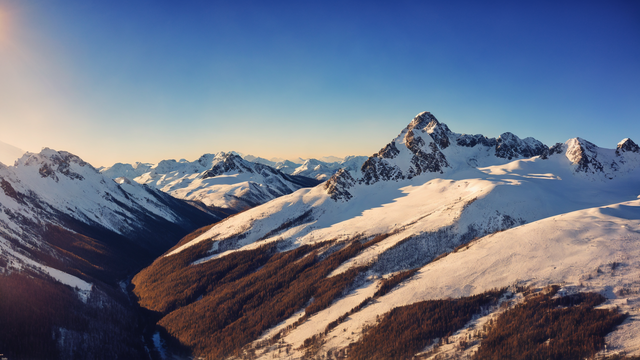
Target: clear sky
[(146, 80)]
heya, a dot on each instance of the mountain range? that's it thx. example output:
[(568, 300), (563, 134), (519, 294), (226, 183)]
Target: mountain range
[(430, 248), (222, 180), (525, 215)]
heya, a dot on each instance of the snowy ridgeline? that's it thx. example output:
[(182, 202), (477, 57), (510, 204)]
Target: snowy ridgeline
[(222, 180)]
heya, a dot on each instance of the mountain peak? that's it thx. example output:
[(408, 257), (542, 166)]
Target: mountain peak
[(428, 146), (52, 162), (509, 146), (627, 145), (423, 120), (226, 162)]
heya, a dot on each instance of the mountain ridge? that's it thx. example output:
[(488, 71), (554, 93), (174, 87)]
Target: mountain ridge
[(425, 194), (222, 180)]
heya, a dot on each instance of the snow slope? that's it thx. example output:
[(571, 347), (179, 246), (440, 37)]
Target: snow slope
[(575, 249)]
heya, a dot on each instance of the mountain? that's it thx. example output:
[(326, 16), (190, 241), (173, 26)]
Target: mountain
[(323, 171), (260, 160), (309, 273), (316, 169), (286, 166), (69, 238), (9, 153), (130, 171), (222, 181)]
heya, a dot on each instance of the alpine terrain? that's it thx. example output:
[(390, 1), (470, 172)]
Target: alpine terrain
[(222, 180), (441, 244), (70, 240), (320, 169)]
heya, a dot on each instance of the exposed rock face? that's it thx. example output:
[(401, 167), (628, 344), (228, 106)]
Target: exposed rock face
[(555, 149), (230, 162), (584, 154), (438, 132), (473, 140), (52, 163), (389, 152), (627, 145), (375, 169), (509, 146), (337, 186)]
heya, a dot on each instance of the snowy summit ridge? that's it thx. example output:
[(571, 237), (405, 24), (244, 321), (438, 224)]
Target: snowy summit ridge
[(429, 146)]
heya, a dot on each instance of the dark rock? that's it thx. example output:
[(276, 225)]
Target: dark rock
[(627, 145)]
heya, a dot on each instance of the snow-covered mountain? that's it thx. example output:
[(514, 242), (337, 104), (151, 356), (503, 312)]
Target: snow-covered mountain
[(72, 233), (222, 180), (314, 168), (426, 193), (323, 170)]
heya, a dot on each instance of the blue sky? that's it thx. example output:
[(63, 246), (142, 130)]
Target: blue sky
[(124, 81)]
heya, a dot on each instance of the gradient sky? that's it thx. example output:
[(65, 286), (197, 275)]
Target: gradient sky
[(146, 80)]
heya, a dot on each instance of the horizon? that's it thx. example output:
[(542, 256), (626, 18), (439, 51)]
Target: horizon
[(149, 81)]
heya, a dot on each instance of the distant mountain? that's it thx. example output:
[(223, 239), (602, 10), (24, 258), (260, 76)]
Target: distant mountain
[(9, 153), (434, 215), (222, 180), (331, 159), (314, 168), (68, 236), (130, 171)]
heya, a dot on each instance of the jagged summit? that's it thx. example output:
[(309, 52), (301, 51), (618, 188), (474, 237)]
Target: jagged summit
[(599, 163), (627, 145), (427, 146), (52, 163), (228, 162)]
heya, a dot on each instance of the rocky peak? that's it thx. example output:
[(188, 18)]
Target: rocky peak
[(337, 186), (52, 162), (509, 146), (228, 162), (584, 154), (423, 121), (428, 123), (627, 145), (421, 147)]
